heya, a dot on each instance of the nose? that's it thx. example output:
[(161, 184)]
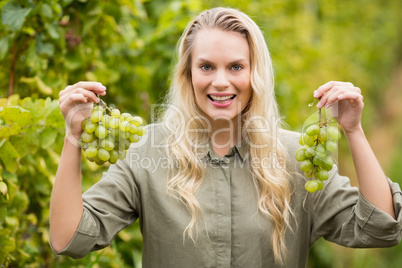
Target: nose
[(220, 80)]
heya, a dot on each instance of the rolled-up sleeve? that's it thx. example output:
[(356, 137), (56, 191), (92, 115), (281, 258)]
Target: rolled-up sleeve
[(110, 205), (380, 229), (342, 215)]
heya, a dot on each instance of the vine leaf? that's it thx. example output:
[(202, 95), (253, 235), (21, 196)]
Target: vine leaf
[(14, 16), (9, 156)]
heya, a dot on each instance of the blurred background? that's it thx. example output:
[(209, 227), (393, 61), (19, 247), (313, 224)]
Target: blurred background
[(129, 46)]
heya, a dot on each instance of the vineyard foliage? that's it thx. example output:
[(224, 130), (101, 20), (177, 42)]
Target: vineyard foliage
[(129, 46)]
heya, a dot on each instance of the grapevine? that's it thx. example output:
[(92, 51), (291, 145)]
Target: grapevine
[(107, 134), (318, 141)]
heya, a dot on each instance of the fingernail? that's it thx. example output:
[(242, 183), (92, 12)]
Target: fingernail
[(102, 87), (327, 106), (315, 94), (319, 105)]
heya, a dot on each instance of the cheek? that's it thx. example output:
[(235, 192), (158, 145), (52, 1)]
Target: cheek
[(199, 84)]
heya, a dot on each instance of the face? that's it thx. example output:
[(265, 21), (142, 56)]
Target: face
[(220, 72)]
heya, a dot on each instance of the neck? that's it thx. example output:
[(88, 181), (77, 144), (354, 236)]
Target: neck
[(225, 134)]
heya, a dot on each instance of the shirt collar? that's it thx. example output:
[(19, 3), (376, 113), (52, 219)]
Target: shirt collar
[(241, 149)]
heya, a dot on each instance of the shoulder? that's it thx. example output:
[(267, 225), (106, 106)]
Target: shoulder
[(154, 139), (289, 139)]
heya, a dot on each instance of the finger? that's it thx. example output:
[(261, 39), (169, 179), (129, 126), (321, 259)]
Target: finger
[(90, 95), (330, 96), (328, 86), (324, 98), (65, 106), (334, 97), (356, 97), (88, 85)]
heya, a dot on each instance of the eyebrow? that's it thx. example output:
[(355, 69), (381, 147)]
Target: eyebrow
[(239, 60)]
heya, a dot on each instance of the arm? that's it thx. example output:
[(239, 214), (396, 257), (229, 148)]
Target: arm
[(372, 180), (346, 101), (66, 205)]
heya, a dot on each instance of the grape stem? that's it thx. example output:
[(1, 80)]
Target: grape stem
[(104, 103), (319, 116)]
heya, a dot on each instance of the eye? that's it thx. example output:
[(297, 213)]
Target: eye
[(237, 67), (206, 67)]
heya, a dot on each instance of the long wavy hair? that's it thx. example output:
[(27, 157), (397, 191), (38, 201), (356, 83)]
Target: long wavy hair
[(183, 115)]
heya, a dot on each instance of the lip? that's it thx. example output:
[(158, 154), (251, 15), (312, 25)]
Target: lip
[(219, 104)]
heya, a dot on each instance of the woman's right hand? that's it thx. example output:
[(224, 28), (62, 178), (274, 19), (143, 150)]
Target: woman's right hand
[(76, 103)]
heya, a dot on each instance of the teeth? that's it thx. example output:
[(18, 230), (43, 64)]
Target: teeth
[(221, 99)]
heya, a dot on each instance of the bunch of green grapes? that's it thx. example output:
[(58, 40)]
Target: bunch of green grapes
[(107, 134), (319, 140)]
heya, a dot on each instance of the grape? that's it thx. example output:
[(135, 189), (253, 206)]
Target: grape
[(106, 120), (134, 138), (114, 156), (96, 116), (90, 127), (133, 129), (307, 140), (124, 126), (101, 132), (322, 136), (310, 152), (103, 154), (114, 122), (300, 154), (107, 134), (122, 154), (91, 152), (85, 122), (115, 113), (107, 144), (320, 185), (306, 165), (313, 130), (317, 142), (141, 131), (333, 133), (136, 120), (322, 175), (331, 145), (320, 149), (87, 137), (311, 186)]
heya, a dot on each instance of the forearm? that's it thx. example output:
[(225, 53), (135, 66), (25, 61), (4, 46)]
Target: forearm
[(66, 206), (372, 180)]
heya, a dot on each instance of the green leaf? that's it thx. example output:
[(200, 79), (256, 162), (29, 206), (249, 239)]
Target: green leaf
[(9, 156), (13, 15), (3, 188), (3, 47), (16, 114), (42, 47), (7, 244), (13, 100), (47, 137), (52, 30), (46, 11), (3, 212), (38, 83), (19, 144), (31, 138)]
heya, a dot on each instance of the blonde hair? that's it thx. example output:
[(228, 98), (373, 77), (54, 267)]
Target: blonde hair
[(183, 115)]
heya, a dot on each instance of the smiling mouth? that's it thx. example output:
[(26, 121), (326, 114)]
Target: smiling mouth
[(221, 99)]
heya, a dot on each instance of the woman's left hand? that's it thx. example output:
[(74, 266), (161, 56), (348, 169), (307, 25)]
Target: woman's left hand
[(345, 102)]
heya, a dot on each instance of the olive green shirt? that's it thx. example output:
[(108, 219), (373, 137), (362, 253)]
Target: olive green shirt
[(231, 231)]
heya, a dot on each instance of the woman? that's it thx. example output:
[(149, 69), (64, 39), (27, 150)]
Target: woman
[(215, 183)]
